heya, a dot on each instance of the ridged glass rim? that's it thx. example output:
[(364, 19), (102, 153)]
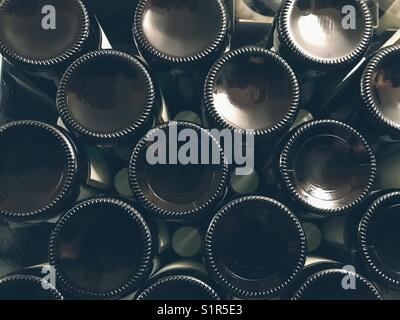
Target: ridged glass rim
[(189, 279), (145, 46), (50, 289), (304, 287), (104, 138)]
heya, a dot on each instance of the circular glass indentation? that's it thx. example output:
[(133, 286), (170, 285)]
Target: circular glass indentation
[(100, 248), (252, 91), (168, 181), (327, 166), (34, 167), (327, 30), (179, 28), (254, 246), (107, 93)]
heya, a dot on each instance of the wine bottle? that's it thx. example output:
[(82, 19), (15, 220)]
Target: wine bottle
[(339, 240), (341, 103), (23, 287), (42, 37), (327, 167), (267, 164), (108, 98), (164, 30), (380, 91), (341, 32), (379, 240), (174, 188), (164, 35), (255, 247), (101, 249), (373, 111), (181, 280), (38, 40), (252, 89), (313, 265), (43, 171), (337, 284), (323, 40)]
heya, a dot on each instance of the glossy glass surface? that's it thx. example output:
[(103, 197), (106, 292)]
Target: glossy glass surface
[(181, 28), (21, 28), (106, 94), (33, 167), (180, 184), (252, 92), (316, 28), (329, 168), (100, 248), (180, 187), (386, 80), (385, 237), (257, 246)]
